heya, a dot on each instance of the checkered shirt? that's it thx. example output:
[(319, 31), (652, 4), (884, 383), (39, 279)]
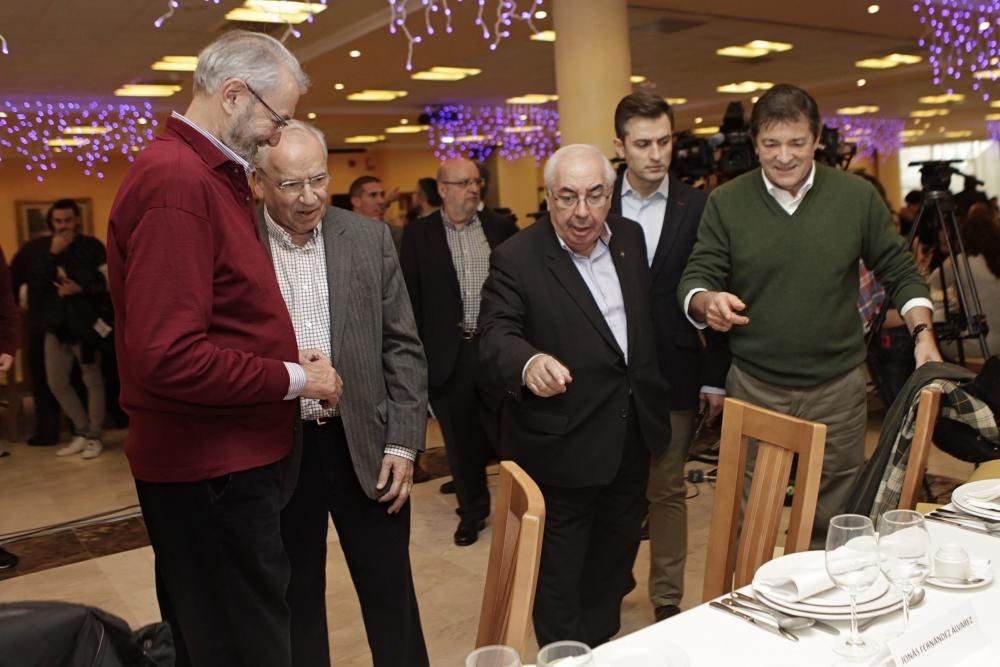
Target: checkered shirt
[(301, 273), (871, 295), (470, 252)]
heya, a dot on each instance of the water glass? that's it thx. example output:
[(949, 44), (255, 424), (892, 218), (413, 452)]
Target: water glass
[(565, 654), (495, 655), (904, 552), (853, 565)]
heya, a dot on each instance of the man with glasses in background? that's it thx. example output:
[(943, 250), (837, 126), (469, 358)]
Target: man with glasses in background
[(340, 279), (567, 333), (445, 259), (210, 368)]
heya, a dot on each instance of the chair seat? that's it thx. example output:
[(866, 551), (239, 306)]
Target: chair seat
[(987, 470)]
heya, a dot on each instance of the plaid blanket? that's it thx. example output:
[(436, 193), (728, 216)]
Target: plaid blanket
[(957, 405)]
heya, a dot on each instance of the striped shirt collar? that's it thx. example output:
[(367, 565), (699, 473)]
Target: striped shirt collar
[(226, 150), (663, 190), (281, 235), (605, 238)]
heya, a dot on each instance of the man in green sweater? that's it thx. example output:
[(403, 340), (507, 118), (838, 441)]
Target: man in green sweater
[(776, 265)]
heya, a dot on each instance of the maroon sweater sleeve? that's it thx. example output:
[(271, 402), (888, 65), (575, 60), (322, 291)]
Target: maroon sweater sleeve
[(169, 278), (10, 318)]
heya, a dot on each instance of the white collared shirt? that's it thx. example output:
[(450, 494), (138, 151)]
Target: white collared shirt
[(649, 212), (215, 142), (786, 199)]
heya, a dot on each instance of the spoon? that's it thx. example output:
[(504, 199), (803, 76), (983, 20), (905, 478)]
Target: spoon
[(916, 597), (817, 624), (784, 621), (969, 581)]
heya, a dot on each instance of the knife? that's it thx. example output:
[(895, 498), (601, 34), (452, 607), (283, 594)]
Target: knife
[(753, 621), (818, 624), (965, 515), (963, 526)]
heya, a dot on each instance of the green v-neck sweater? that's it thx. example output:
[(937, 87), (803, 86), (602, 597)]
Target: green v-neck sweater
[(798, 273)]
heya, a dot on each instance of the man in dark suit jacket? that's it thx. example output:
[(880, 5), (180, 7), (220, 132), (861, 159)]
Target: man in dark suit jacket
[(668, 212), (445, 259), (340, 279), (567, 333)]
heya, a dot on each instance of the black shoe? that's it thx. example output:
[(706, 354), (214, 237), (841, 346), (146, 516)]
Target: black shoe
[(7, 559), (449, 487), (468, 532), (39, 441), (664, 612)]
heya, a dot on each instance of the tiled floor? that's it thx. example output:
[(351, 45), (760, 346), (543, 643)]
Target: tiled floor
[(40, 489)]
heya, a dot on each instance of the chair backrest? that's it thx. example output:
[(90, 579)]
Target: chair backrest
[(779, 437), (923, 430), (515, 553)]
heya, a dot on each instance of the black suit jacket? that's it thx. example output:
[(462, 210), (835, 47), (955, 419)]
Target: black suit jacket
[(432, 283), (535, 301), (685, 362)]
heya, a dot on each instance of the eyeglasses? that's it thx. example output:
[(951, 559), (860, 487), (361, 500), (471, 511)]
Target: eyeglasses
[(279, 122), (465, 183), (592, 198), (317, 182)]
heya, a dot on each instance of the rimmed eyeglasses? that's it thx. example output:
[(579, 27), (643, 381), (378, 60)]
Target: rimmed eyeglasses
[(279, 122), (317, 182)]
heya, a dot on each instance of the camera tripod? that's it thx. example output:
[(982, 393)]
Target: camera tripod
[(936, 219)]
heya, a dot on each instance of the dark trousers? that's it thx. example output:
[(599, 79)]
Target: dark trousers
[(376, 547), (461, 409), (221, 572), (46, 407), (591, 539)]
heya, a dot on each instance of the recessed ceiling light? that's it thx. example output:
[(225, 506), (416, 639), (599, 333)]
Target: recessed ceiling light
[(698, 120), (675, 101), (873, 9), (532, 98), (364, 139), (708, 129), (755, 98), (987, 74), (744, 87), (741, 52), (445, 73), (995, 104), (942, 99), (889, 61), (85, 129), (404, 121), (471, 139), (911, 133), (406, 129), (541, 14), (958, 134), (176, 64), (858, 110), (67, 141), (861, 82), (142, 120), (311, 115), (993, 116), (522, 128), (928, 113), (147, 90), (636, 78), (544, 36), (376, 95), (338, 86), (275, 11), (354, 53)]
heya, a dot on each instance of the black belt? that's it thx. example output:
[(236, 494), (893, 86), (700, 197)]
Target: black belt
[(320, 423), (469, 334)]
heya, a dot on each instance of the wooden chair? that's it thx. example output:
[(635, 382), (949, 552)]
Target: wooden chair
[(780, 437), (515, 553), (928, 408)]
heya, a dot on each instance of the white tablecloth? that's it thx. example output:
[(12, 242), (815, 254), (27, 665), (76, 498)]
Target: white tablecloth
[(711, 637)]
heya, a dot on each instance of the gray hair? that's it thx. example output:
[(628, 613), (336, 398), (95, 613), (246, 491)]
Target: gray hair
[(260, 158), (254, 57), (572, 150)]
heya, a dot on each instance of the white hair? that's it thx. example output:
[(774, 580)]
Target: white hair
[(552, 166), (254, 57), (261, 157)]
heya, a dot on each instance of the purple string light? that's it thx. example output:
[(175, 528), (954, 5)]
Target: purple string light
[(961, 37), (871, 135), (515, 131), (506, 13), (27, 127), (993, 127)]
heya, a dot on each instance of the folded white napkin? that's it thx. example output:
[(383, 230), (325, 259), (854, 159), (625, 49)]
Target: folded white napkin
[(984, 505), (986, 495), (795, 586)]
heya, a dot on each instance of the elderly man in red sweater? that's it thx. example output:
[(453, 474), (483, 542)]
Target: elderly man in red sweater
[(209, 363)]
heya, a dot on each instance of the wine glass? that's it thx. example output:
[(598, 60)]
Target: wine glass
[(565, 654), (904, 553), (852, 563), (496, 655)]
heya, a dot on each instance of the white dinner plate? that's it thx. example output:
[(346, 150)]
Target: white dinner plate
[(889, 599), (655, 652), (979, 568), (958, 496), (831, 614), (833, 598)]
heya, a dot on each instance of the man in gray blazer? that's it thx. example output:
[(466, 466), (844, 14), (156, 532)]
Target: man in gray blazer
[(341, 281)]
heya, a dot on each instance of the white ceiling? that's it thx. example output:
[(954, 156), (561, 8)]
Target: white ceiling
[(87, 48)]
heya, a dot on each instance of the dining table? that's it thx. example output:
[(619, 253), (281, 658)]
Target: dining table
[(707, 636)]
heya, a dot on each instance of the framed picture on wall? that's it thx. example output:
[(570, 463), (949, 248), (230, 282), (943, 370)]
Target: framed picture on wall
[(31, 218)]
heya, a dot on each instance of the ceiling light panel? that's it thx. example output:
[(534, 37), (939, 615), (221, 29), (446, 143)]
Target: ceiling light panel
[(376, 95)]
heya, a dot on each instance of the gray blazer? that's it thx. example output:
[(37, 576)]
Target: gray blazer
[(374, 345)]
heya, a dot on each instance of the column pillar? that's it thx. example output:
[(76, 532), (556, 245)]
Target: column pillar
[(593, 64)]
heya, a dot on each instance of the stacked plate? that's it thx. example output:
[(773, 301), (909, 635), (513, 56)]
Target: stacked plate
[(832, 604), (971, 499)]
